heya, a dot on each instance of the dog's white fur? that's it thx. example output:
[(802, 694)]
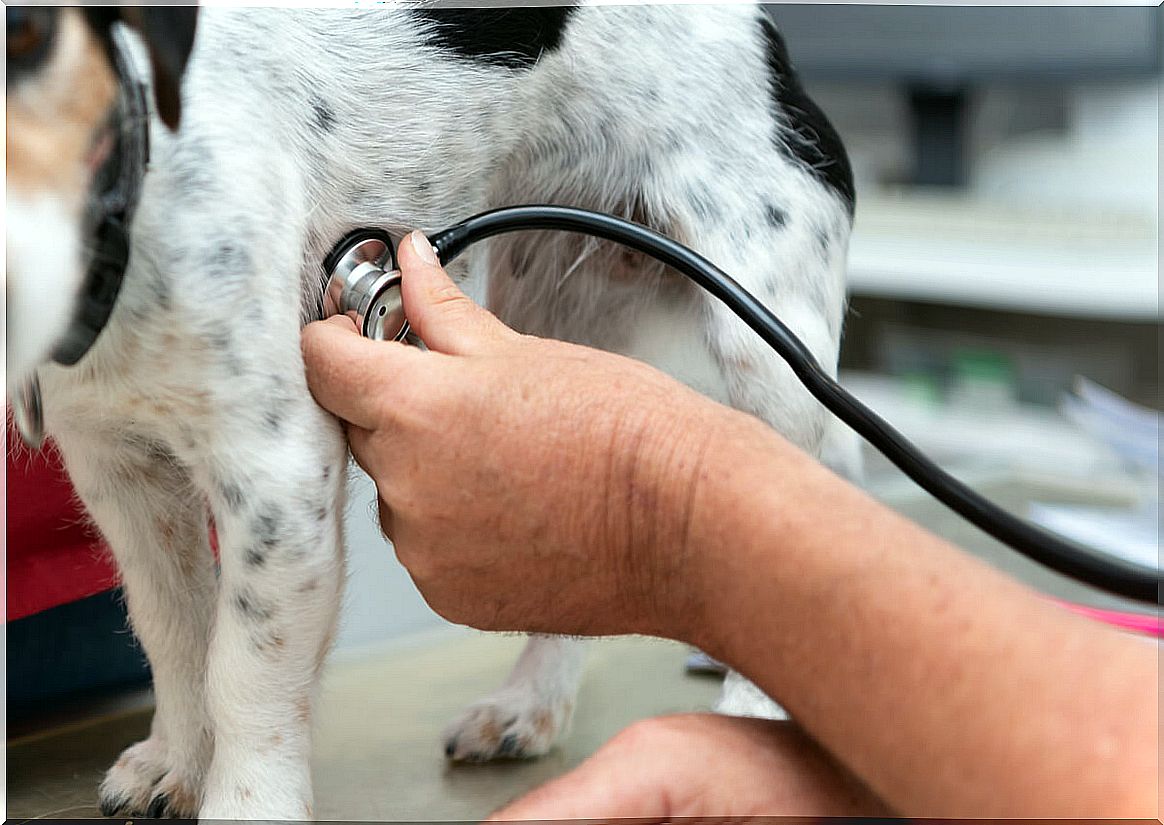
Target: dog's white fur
[(194, 397)]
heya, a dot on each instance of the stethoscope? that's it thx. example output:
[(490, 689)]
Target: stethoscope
[(363, 282)]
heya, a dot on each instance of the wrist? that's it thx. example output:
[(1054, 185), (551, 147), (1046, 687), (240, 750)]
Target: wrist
[(651, 472), (699, 504), (750, 505)]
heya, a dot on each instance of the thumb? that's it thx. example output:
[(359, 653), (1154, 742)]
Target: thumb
[(349, 375), (603, 788), (439, 312)]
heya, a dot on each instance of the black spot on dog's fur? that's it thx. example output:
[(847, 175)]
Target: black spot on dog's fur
[(268, 526), (246, 604), (322, 115), (805, 133), (218, 339), (365, 196), (221, 339), (705, 209), (273, 419), (777, 218), (821, 237), (228, 259), (255, 557), (232, 495), (515, 38), (192, 166)]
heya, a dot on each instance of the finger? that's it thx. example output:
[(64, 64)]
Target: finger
[(603, 787), (440, 313), (347, 373), (363, 450)]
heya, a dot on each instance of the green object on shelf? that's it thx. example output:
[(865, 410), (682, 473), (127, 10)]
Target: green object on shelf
[(983, 365), (922, 388), (983, 378)]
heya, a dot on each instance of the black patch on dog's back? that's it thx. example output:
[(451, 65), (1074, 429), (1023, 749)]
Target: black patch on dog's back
[(809, 138), (514, 38)]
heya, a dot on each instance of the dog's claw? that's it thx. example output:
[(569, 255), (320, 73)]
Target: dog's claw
[(110, 806), (158, 805)]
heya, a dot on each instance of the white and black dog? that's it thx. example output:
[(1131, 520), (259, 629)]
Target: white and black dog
[(271, 134)]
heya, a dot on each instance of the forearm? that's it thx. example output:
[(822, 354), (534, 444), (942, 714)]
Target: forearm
[(949, 688)]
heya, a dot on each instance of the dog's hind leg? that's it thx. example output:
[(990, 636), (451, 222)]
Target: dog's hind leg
[(156, 524), (526, 715)]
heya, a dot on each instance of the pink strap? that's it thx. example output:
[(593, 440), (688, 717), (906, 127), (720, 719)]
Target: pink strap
[(1136, 622)]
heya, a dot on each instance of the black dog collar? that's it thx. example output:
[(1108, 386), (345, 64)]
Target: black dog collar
[(112, 201)]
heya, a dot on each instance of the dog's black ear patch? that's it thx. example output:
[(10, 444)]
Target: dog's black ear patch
[(810, 138), (515, 38), (168, 32), (31, 34)]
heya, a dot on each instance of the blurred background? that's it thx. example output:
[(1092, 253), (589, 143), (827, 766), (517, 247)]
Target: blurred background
[(1004, 267)]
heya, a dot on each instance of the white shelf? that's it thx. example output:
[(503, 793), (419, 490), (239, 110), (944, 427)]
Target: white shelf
[(1073, 262)]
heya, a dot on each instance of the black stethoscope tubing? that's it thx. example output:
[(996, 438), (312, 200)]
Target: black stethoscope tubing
[(1115, 575)]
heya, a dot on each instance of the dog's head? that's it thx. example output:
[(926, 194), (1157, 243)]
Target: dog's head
[(61, 106)]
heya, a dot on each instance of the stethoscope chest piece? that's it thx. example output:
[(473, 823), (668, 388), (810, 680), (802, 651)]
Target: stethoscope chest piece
[(364, 284)]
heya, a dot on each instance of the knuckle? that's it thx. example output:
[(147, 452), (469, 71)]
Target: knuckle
[(644, 734), (449, 297)]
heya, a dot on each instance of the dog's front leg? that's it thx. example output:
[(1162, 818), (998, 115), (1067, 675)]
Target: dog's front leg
[(275, 480), (147, 508)]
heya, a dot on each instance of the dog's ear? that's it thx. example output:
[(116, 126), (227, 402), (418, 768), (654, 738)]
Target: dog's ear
[(168, 32)]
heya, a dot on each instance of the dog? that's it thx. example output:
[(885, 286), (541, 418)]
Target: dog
[(273, 132)]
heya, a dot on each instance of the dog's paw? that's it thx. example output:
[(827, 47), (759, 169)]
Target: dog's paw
[(143, 783), (510, 724)]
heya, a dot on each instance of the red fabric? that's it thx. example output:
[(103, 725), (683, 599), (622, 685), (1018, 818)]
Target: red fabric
[(53, 555)]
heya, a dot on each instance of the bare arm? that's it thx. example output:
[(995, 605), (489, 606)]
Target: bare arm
[(949, 688), (534, 485)]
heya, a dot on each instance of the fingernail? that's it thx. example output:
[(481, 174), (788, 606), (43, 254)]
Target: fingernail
[(423, 248)]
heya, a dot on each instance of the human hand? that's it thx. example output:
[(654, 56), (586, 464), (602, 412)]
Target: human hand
[(525, 483), (700, 765)]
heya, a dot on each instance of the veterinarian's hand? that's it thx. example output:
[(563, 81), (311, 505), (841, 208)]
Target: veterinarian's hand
[(700, 765), (525, 483), (533, 485)]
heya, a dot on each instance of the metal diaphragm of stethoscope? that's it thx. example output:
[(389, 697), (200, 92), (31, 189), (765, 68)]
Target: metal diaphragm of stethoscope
[(364, 284)]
